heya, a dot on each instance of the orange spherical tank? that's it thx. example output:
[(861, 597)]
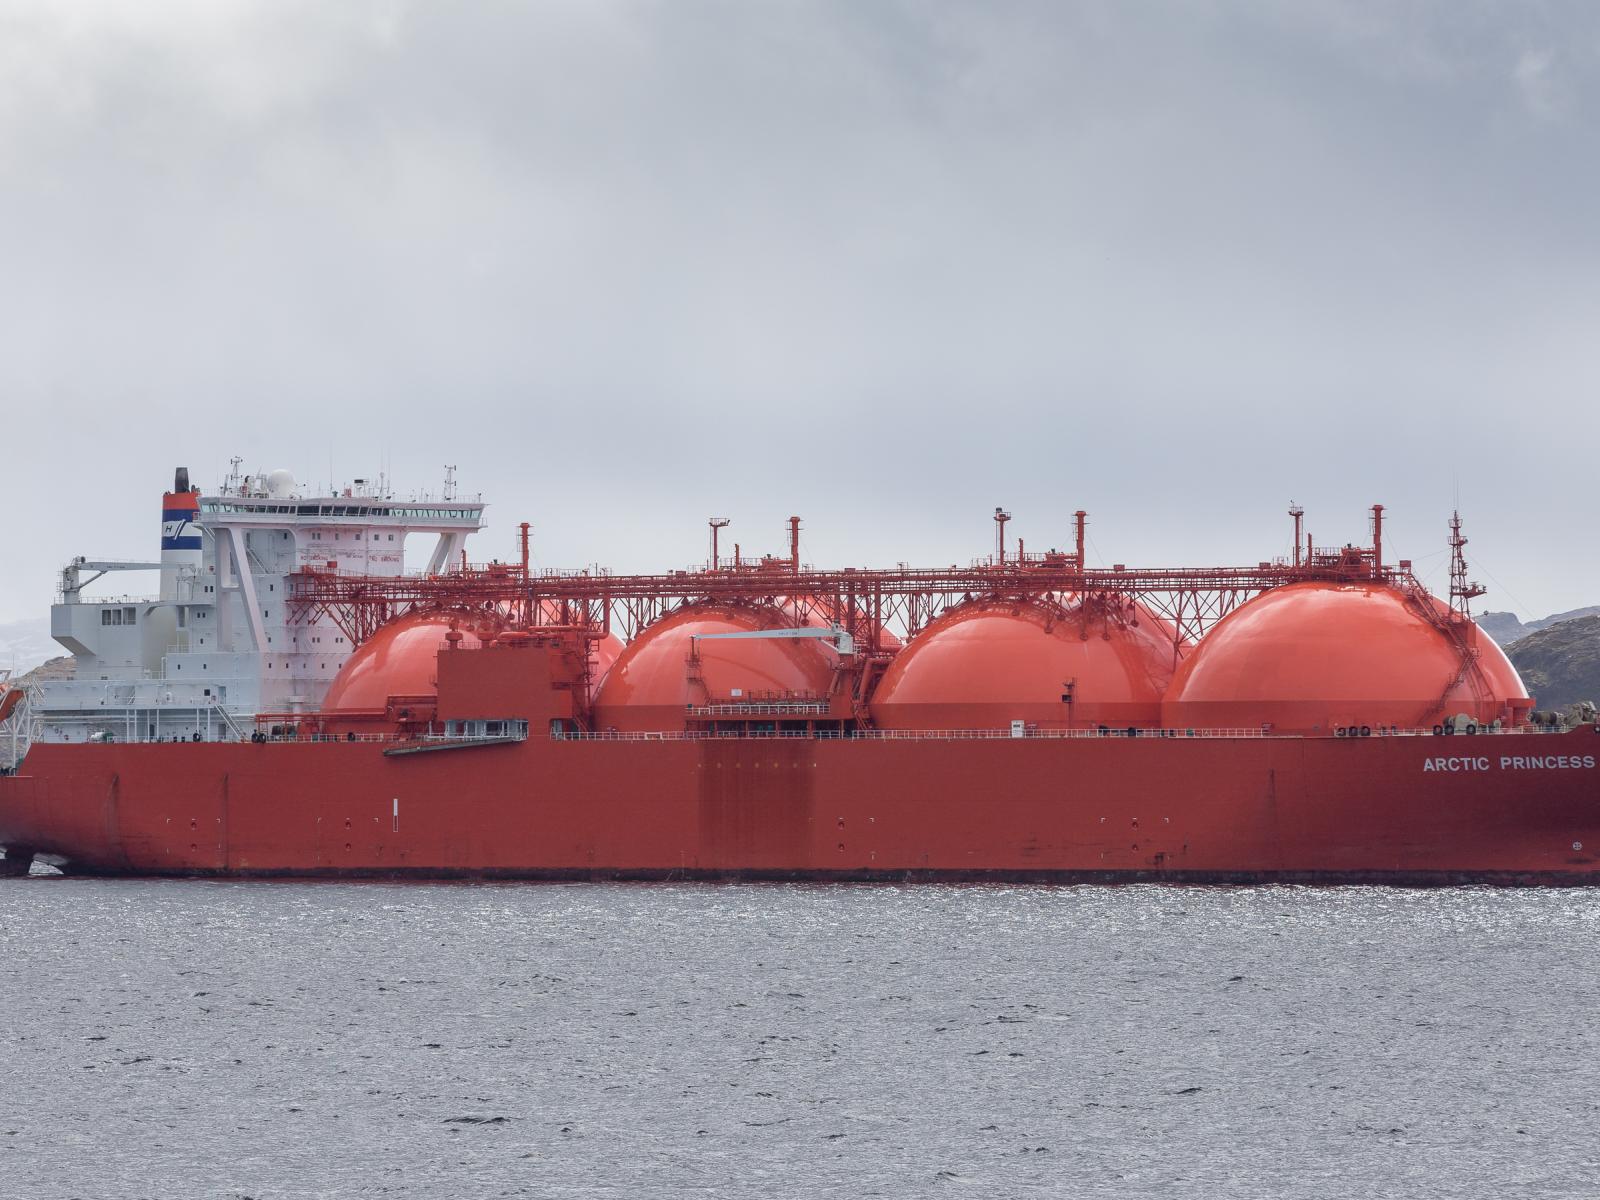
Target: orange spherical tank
[(399, 660), (604, 654), (1496, 677), (652, 681), (1315, 657), (989, 663), (1503, 679)]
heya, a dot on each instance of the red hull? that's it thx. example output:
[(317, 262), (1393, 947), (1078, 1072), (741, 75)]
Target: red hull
[(1516, 808)]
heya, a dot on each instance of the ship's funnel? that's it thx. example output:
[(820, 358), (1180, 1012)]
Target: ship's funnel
[(180, 534)]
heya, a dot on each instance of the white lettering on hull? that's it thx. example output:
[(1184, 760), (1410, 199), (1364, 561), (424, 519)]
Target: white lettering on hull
[(1455, 764), (1547, 762)]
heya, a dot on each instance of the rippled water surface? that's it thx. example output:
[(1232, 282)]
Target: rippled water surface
[(283, 1040)]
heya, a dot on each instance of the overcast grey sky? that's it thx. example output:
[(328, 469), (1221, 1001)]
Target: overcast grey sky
[(885, 265)]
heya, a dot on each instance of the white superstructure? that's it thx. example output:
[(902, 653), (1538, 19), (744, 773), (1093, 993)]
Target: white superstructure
[(219, 643)]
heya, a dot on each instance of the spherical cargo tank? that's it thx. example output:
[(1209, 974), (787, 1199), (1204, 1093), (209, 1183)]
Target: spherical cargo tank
[(989, 663), (400, 659), (653, 681), (1501, 677), (603, 655), (1317, 657)]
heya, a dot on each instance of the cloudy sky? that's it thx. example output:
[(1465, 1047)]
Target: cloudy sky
[(886, 265)]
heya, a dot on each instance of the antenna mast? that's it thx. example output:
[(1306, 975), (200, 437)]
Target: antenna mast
[(1461, 591)]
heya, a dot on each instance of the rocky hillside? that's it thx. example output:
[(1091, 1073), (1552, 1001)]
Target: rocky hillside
[(64, 667), (1505, 627), (1560, 663)]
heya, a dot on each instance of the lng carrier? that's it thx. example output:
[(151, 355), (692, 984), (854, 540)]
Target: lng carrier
[(296, 702)]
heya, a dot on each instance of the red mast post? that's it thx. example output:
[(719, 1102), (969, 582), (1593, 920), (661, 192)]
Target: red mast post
[(717, 524)]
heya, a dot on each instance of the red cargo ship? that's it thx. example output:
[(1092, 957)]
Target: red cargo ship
[(1321, 718)]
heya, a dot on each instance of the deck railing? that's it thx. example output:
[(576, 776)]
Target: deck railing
[(854, 735), (773, 708), (903, 735), (986, 735)]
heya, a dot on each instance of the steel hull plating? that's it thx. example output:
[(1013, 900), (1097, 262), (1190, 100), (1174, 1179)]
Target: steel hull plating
[(1406, 809)]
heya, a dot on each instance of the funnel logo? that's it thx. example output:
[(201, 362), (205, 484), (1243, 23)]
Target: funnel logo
[(178, 532)]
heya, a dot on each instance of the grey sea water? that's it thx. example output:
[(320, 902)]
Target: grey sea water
[(287, 1040)]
